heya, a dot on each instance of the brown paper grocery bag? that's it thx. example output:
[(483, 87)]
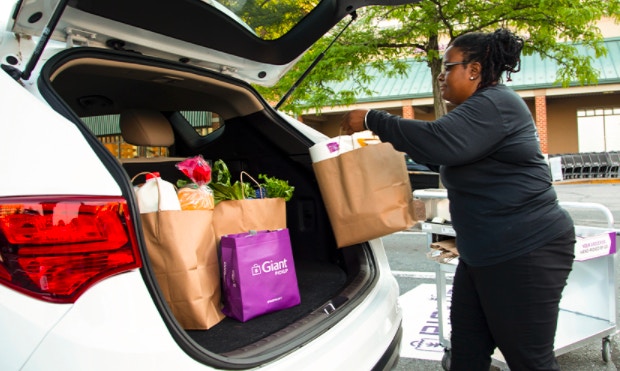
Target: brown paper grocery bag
[(182, 249), (238, 216), (366, 192)]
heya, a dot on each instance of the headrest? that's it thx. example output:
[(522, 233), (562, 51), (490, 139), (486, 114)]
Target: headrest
[(146, 128)]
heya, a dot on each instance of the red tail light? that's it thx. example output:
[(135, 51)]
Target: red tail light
[(54, 248)]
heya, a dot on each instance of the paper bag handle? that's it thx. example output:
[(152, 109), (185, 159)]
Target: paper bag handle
[(260, 189)]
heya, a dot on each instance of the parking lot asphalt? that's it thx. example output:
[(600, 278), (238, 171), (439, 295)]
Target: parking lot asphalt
[(406, 252), (605, 192)]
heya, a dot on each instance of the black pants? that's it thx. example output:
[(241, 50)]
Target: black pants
[(513, 306)]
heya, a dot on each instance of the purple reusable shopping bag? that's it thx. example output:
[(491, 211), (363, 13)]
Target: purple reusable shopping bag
[(258, 273)]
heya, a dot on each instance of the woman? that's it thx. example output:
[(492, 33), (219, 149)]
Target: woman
[(515, 243)]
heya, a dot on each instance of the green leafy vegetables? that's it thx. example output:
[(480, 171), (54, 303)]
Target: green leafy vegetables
[(276, 187), (224, 189)]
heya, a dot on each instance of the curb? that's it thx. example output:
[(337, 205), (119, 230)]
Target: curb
[(589, 181)]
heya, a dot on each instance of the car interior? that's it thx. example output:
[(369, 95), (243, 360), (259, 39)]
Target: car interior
[(148, 95)]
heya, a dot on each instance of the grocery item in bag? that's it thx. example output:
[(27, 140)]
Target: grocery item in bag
[(338, 145), (156, 194), (196, 195)]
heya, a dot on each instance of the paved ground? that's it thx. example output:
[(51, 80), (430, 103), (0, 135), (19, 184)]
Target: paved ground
[(406, 252), (603, 192)]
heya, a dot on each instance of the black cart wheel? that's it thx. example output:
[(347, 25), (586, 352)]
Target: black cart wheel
[(606, 349), (445, 360)]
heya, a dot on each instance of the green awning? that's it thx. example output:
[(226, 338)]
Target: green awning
[(536, 73)]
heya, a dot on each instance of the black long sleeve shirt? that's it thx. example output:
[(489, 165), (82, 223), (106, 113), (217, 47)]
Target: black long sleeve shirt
[(502, 202)]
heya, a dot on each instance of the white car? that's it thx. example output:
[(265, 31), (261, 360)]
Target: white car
[(76, 288)]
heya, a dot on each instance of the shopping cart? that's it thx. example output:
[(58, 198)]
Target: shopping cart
[(588, 305)]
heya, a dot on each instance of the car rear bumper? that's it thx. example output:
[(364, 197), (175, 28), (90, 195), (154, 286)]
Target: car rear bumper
[(115, 325), (392, 353)]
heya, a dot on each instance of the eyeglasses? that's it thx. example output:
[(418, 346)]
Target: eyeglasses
[(448, 65)]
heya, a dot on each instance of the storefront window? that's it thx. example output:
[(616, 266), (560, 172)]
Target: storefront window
[(599, 129)]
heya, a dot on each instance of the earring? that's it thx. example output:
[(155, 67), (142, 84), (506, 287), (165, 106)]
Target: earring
[(471, 77)]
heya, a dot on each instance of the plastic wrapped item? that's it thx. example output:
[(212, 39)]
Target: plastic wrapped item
[(196, 195)]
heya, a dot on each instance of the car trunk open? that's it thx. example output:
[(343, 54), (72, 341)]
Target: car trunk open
[(84, 82)]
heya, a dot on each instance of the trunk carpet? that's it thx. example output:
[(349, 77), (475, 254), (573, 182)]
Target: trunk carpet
[(318, 283)]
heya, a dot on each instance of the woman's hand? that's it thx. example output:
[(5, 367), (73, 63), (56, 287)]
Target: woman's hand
[(353, 121)]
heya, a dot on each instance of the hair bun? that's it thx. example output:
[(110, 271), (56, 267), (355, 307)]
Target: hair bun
[(509, 45)]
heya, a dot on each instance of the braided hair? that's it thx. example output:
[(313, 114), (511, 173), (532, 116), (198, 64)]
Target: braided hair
[(497, 52)]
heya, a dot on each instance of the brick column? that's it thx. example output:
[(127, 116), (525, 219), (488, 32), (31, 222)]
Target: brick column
[(541, 121), (408, 112)]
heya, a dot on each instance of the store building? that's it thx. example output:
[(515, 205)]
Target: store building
[(570, 119)]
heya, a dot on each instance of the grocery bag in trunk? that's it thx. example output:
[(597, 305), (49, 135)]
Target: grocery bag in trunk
[(367, 193), (256, 214), (183, 253), (236, 216), (258, 273)]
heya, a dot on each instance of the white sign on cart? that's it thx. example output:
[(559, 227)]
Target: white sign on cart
[(594, 245)]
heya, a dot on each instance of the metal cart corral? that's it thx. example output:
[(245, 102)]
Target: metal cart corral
[(588, 305)]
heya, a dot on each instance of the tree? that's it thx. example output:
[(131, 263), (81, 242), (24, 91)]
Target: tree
[(382, 37)]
